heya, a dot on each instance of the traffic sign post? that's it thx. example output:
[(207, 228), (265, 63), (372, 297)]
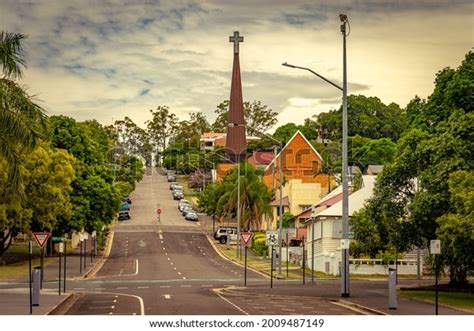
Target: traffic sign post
[(271, 239), (65, 254), (158, 213), (435, 249), (247, 240), (41, 239), (60, 250), (30, 255)]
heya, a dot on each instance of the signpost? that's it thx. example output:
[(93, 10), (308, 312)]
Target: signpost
[(158, 212), (41, 239), (271, 239), (247, 240), (60, 250), (30, 255), (435, 249), (65, 254)]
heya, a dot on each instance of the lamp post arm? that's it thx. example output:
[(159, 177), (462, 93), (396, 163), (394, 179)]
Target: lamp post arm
[(314, 73)]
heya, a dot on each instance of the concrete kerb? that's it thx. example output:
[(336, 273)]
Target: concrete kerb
[(60, 308), (99, 263), (218, 251), (357, 307)]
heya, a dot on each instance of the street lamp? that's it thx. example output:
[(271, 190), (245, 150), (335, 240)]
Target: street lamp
[(280, 223), (345, 187)]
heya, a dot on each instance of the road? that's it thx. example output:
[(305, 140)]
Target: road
[(170, 267)]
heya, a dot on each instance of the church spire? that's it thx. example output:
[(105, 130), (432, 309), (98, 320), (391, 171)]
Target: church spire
[(236, 143)]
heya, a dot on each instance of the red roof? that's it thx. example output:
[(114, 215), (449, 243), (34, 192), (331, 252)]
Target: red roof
[(261, 158), (276, 202), (304, 214)]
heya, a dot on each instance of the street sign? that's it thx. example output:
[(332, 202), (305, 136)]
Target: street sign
[(94, 234), (435, 247), (271, 238), (57, 238), (345, 243), (246, 238), (41, 238), (61, 248), (158, 211)]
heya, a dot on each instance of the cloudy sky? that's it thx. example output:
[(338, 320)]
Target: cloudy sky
[(109, 59)]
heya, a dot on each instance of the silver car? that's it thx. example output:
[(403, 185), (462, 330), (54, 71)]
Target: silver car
[(191, 216)]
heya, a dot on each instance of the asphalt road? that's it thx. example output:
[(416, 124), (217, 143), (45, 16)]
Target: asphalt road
[(165, 267)]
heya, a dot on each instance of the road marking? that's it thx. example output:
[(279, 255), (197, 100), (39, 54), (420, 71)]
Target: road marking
[(184, 277), (122, 288), (165, 286), (79, 288), (162, 242), (102, 301), (164, 248), (231, 303), (169, 259), (179, 273), (171, 263), (185, 286), (174, 268), (166, 253), (207, 285), (136, 267), (143, 287), (199, 224), (167, 296), (113, 307), (161, 236)]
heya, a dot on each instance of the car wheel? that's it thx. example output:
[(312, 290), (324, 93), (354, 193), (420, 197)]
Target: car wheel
[(223, 239)]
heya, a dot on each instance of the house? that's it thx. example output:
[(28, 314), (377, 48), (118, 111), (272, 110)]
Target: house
[(326, 223), (210, 140), (299, 162), (374, 169)]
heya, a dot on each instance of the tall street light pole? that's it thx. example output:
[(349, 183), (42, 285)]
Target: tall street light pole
[(345, 292)]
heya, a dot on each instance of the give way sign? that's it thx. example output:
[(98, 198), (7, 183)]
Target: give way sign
[(41, 238), (246, 238)]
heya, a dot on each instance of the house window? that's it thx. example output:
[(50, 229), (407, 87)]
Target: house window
[(305, 207), (278, 210), (337, 228)]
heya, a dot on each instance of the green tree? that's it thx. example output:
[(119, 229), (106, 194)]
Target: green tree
[(414, 191), (285, 132), (21, 119), (257, 117), (456, 230), (366, 151), (162, 126)]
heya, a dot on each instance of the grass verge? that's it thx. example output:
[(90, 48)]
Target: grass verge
[(457, 300), (21, 268)]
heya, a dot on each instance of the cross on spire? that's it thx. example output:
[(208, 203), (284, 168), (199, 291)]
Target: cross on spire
[(236, 39)]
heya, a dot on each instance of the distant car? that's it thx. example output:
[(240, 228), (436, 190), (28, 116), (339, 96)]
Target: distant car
[(125, 206), (191, 216), (172, 186), (124, 215), (178, 195), (183, 203), (186, 209), (171, 178), (127, 200), (177, 187), (224, 232)]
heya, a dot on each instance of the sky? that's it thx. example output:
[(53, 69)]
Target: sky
[(110, 59)]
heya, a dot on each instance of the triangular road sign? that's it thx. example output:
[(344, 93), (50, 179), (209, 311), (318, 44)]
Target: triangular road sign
[(246, 237), (41, 238)]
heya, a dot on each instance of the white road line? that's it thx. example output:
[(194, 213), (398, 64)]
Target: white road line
[(185, 286), (113, 307), (164, 248), (232, 304), (207, 285), (79, 288), (174, 268), (162, 242), (169, 259), (161, 236), (122, 288), (136, 267), (171, 263), (179, 273), (167, 296), (166, 253), (165, 286), (143, 287), (184, 277)]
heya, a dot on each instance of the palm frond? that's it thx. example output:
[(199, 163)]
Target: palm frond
[(11, 54)]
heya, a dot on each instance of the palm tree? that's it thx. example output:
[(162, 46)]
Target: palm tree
[(329, 168), (21, 119), (254, 197)]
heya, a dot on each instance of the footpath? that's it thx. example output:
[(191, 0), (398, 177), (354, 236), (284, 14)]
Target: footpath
[(14, 291)]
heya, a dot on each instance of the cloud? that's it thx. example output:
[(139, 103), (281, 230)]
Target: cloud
[(109, 59)]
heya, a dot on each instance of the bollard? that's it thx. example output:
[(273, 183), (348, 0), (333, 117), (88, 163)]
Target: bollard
[(392, 288), (36, 285)]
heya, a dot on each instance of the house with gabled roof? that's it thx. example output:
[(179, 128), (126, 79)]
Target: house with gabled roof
[(299, 163)]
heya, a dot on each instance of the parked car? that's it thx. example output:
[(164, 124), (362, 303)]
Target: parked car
[(125, 206), (124, 215), (223, 233), (172, 186), (191, 216), (127, 200), (171, 178), (178, 195), (183, 203), (186, 209), (177, 187)]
